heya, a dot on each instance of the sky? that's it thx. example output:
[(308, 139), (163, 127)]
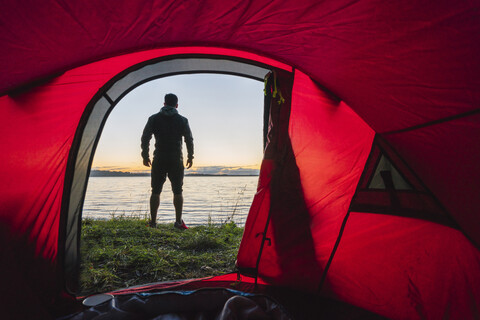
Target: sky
[(225, 114)]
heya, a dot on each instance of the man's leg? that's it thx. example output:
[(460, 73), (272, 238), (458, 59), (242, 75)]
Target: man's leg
[(176, 179), (154, 204), (178, 204), (158, 179)]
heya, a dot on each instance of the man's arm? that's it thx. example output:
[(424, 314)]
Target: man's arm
[(146, 137), (189, 142)]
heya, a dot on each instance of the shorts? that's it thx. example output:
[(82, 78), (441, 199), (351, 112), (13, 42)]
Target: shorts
[(171, 167)]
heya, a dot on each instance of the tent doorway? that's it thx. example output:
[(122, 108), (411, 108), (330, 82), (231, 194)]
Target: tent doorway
[(94, 122), (225, 114)]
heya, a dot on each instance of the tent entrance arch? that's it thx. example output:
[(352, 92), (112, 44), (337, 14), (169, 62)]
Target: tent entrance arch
[(94, 119)]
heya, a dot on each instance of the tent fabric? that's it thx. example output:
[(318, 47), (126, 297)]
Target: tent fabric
[(439, 147), (415, 60), (395, 278), (279, 259), (331, 145), (407, 73), (390, 186), (326, 136), (314, 190)]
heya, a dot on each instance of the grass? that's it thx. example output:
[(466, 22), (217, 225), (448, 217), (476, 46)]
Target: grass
[(123, 252)]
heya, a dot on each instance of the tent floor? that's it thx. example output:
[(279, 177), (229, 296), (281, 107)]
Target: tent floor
[(219, 298)]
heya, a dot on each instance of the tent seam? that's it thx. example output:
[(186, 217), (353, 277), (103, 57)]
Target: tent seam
[(434, 122)]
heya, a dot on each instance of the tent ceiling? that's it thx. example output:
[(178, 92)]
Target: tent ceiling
[(418, 61)]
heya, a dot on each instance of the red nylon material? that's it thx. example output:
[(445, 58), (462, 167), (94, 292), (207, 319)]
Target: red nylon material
[(406, 268), (331, 145), (38, 137), (287, 255), (256, 220), (229, 280), (375, 56), (435, 158)]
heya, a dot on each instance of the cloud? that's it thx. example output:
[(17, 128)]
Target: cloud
[(222, 170)]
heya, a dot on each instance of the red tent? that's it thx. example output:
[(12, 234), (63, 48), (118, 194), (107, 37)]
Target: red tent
[(369, 188)]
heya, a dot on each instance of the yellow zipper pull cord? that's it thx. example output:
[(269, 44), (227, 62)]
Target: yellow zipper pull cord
[(275, 90), (274, 93), (267, 76), (281, 99)]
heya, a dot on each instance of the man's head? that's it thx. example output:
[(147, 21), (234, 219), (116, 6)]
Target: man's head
[(171, 100)]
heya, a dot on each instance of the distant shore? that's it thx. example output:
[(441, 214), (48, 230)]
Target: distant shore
[(104, 173)]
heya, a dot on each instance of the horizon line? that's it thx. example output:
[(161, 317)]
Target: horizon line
[(141, 169)]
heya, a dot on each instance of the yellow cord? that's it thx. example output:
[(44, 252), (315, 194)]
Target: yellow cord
[(275, 90), (281, 99)]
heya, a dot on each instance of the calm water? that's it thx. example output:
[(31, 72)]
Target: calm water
[(215, 199)]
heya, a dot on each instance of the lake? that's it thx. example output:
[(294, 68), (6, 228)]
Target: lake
[(214, 199)]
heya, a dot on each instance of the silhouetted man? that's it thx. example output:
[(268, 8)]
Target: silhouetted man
[(168, 127)]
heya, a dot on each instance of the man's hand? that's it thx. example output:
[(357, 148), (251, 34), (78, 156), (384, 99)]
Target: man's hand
[(189, 163), (147, 163)]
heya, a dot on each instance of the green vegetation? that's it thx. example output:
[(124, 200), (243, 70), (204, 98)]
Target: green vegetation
[(123, 252)]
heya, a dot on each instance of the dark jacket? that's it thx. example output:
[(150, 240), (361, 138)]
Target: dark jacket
[(168, 127)]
